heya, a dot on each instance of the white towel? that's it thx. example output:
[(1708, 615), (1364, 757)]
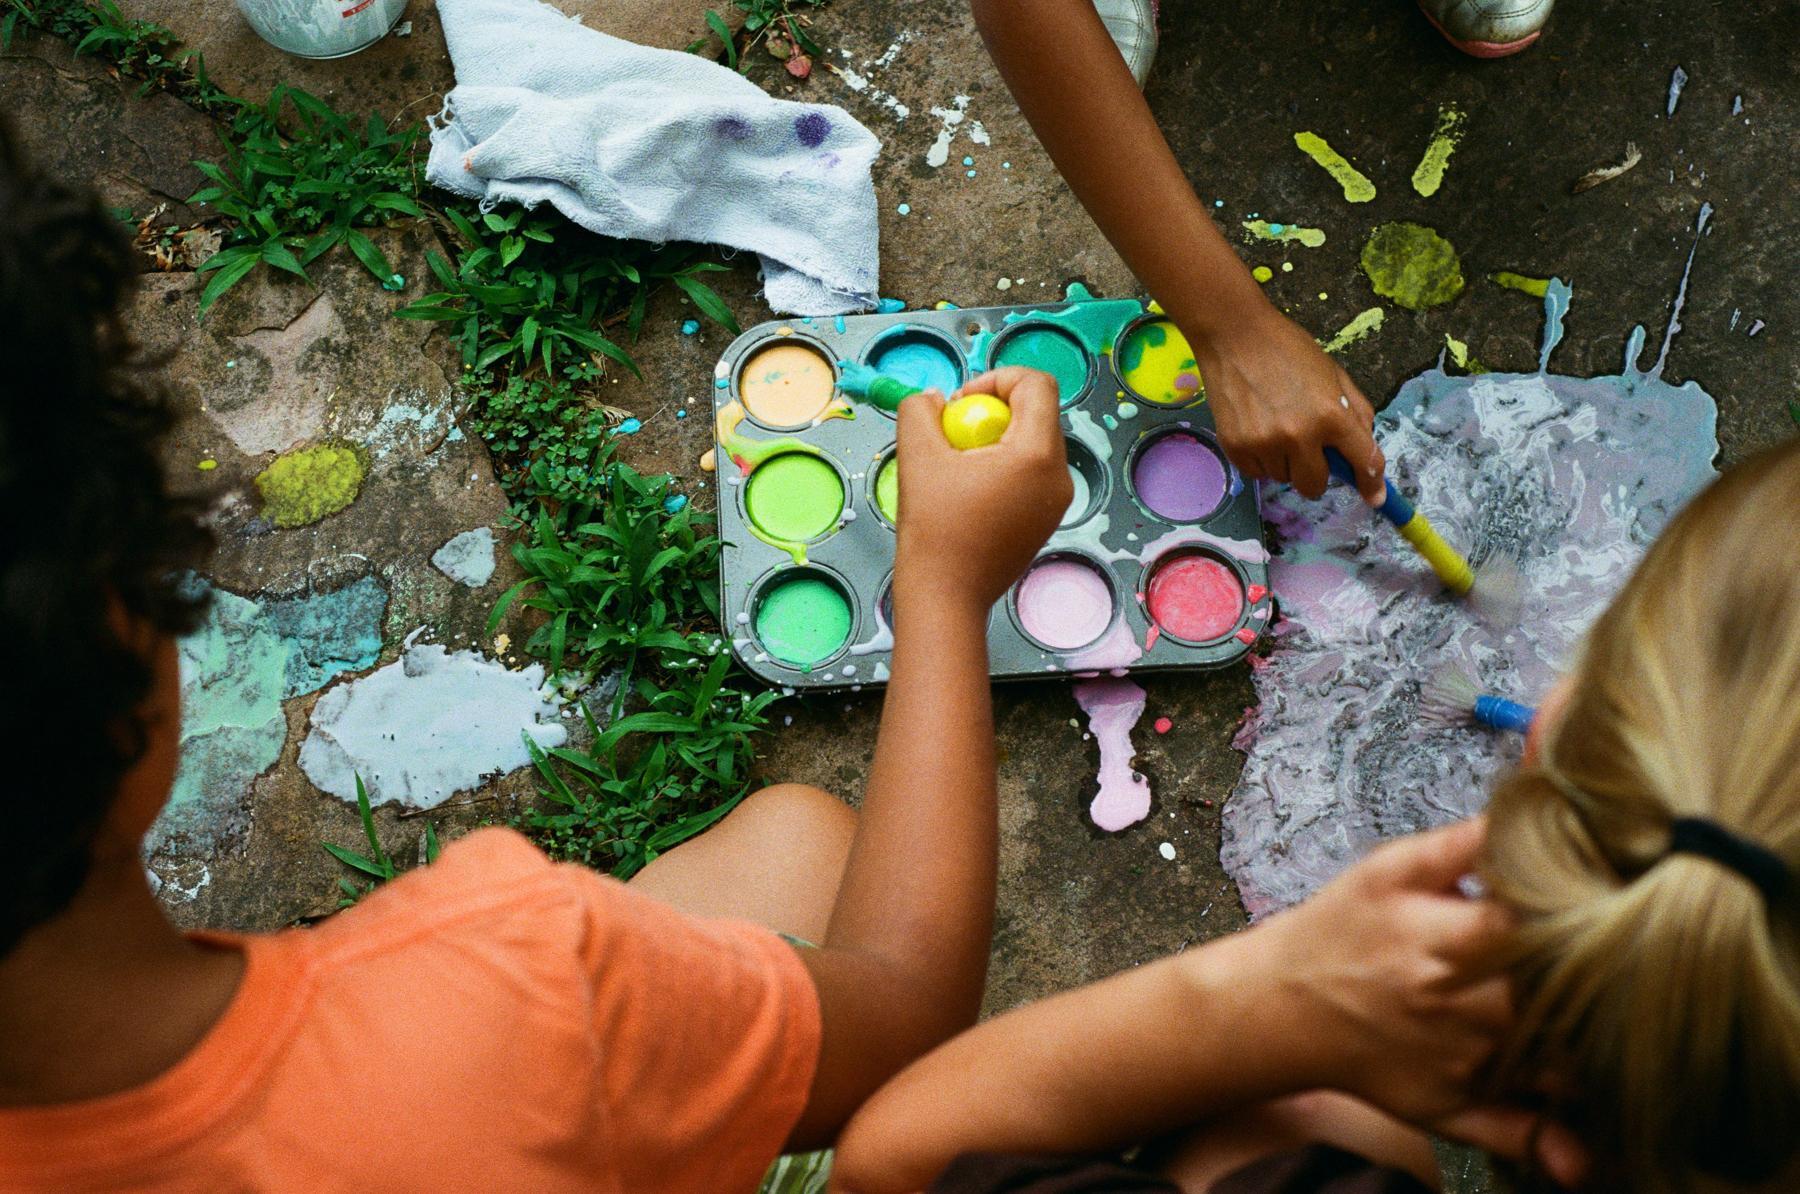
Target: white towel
[(657, 145)]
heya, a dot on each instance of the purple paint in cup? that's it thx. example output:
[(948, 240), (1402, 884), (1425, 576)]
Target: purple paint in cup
[(1179, 478), (1064, 603)]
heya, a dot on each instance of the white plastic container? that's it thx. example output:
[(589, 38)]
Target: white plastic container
[(321, 28)]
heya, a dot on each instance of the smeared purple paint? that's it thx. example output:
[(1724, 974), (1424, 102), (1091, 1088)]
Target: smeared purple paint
[(812, 128), (735, 128), (1113, 708)]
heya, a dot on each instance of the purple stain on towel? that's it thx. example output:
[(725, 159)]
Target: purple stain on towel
[(734, 127), (812, 129)]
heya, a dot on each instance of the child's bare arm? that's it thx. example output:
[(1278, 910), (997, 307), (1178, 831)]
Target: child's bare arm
[(904, 960), (1364, 989), (1277, 399)]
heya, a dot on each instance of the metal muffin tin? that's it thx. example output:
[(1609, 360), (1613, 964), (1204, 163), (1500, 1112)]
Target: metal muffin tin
[(1106, 425)]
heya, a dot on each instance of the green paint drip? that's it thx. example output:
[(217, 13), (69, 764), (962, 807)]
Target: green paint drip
[(1365, 324), (794, 497), (1536, 287), (1412, 265), (1052, 351), (803, 621), (305, 486), (1312, 238), (1444, 139), (887, 490), (1357, 188)]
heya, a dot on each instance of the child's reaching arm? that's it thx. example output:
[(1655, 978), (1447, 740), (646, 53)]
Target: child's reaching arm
[(1277, 399), (904, 960), (1363, 989)]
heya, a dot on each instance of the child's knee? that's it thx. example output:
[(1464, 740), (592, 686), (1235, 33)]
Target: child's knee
[(797, 811)]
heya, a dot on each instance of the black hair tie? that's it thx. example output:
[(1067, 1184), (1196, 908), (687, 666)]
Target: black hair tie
[(1709, 839)]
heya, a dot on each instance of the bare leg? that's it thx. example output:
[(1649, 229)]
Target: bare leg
[(1228, 1143), (777, 859)]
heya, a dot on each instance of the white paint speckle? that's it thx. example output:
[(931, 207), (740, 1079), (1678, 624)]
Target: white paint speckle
[(1167, 850)]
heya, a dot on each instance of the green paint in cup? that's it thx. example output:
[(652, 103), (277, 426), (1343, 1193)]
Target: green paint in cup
[(887, 489), (1052, 350), (794, 497), (802, 620)]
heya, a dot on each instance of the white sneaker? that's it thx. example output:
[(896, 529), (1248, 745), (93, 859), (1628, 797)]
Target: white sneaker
[(1488, 28), (1132, 24)]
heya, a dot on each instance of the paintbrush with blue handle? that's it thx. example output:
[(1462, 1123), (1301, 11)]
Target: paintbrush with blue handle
[(1450, 697), (1496, 590)]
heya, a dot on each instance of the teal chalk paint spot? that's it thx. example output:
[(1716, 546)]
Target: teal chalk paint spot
[(968, 161), (721, 383), (1112, 424), (803, 620), (971, 174), (904, 209), (1052, 350), (918, 360), (837, 321), (889, 306), (329, 634), (690, 326), (1277, 229)]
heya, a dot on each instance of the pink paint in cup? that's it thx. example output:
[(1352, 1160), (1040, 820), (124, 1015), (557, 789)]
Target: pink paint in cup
[(1064, 602)]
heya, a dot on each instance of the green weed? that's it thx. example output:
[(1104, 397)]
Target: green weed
[(142, 49), (621, 815), (776, 25), (292, 198), (380, 867), (532, 287), (619, 575)]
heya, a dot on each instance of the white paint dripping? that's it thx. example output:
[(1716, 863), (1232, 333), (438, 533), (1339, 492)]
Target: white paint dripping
[(939, 153)]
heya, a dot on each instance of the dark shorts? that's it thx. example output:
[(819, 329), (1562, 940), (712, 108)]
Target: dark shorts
[(1316, 1169)]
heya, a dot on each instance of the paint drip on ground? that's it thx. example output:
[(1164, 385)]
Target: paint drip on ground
[(1064, 603), (1532, 286), (236, 669), (802, 621), (1113, 708), (304, 486), (917, 360), (1195, 598), (1179, 478), (794, 497), (1158, 365), (1445, 137), (1357, 188), (1412, 265), (1312, 238), (1052, 350), (468, 558), (428, 725), (1572, 476), (1366, 324), (786, 385)]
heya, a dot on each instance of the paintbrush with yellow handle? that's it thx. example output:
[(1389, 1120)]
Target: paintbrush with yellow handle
[(1496, 590)]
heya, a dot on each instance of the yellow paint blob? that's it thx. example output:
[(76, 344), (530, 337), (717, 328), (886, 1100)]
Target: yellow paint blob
[(1158, 365), (1262, 273), (1357, 188), (786, 385), (1444, 139), (1367, 323), (975, 421)]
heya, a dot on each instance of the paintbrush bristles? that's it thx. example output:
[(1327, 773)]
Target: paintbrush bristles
[(1498, 594), (1447, 698)]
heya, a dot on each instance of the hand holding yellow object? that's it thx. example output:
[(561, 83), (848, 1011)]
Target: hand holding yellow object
[(975, 421)]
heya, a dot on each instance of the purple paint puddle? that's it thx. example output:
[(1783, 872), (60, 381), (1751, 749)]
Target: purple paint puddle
[(1574, 477), (1064, 603), (1179, 478), (812, 129), (1113, 708)]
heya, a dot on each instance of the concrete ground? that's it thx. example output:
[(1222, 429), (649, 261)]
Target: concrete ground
[(279, 365)]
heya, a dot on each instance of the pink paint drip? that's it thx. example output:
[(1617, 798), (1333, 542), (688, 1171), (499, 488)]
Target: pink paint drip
[(1113, 708)]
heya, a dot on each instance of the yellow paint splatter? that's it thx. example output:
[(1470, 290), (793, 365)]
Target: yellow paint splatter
[(1312, 238), (205, 465), (709, 460), (304, 486), (1366, 324), (1444, 139), (1459, 352), (1357, 188), (1536, 287), (1262, 273)]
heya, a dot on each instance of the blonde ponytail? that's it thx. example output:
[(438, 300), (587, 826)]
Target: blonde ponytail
[(1659, 990)]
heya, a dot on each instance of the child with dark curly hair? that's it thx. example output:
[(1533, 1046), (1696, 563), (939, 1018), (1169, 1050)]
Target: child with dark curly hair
[(493, 1022)]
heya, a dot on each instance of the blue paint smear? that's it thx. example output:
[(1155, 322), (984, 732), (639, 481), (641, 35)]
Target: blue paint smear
[(837, 321), (690, 326), (628, 427), (674, 502), (329, 634), (918, 363), (889, 306)]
